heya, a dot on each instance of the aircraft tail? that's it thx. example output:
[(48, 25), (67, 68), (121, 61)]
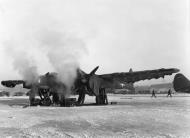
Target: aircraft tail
[(181, 83), (131, 70)]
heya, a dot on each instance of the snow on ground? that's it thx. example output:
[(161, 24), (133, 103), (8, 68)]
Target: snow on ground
[(133, 116)]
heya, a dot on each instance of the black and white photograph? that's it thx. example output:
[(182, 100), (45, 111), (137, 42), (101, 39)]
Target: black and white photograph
[(94, 68)]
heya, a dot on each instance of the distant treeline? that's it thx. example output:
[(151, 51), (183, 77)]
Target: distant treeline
[(126, 91)]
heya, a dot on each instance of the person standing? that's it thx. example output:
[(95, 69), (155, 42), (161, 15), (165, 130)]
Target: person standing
[(153, 94), (169, 93)]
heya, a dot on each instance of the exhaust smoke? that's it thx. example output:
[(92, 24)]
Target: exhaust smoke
[(62, 51), (22, 63)]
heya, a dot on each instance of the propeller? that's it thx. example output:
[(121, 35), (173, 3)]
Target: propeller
[(94, 71)]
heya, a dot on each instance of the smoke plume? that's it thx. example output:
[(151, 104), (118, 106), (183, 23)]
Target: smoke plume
[(63, 52), (38, 44), (22, 63)]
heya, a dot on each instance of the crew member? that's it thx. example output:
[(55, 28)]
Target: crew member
[(153, 94), (169, 93)]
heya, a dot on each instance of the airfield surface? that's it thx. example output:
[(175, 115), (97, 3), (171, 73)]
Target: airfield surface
[(133, 116)]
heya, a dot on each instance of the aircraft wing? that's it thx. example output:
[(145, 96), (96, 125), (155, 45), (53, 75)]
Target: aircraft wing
[(11, 83), (131, 77)]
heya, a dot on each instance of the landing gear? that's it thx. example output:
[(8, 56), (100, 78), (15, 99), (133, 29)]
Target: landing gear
[(102, 99), (55, 99), (45, 97), (46, 101), (81, 98)]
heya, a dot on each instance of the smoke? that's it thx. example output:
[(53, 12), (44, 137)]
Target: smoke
[(22, 63), (63, 52), (38, 44)]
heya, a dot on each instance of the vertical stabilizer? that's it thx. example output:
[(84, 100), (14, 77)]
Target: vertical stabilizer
[(181, 83), (131, 70)]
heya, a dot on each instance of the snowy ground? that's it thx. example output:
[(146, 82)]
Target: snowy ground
[(133, 116)]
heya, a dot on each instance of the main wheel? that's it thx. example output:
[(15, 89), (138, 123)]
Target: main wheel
[(81, 98), (99, 100), (46, 102)]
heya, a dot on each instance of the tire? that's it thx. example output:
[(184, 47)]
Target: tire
[(46, 102), (99, 100)]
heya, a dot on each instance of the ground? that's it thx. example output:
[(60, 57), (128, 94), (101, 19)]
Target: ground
[(133, 116)]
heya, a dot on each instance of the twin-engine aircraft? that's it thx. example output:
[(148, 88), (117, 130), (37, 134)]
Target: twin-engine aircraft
[(92, 84)]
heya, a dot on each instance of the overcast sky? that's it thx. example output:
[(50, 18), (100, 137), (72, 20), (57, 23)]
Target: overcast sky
[(115, 34)]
